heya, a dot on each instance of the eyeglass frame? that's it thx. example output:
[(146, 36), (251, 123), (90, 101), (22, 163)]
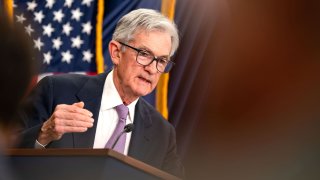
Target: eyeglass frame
[(155, 58)]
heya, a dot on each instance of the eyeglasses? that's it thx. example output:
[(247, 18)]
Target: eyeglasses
[(145, 58)]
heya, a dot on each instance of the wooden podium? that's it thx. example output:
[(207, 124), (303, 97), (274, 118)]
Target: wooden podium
[(80, 164)]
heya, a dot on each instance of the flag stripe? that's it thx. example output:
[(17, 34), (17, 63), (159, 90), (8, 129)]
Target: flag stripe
[(99, 45), (167, 8)]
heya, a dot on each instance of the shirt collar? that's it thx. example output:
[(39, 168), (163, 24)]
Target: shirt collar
[(111, 97), (132, 108)]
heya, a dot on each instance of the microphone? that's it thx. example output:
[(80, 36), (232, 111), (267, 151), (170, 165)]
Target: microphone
[(127, 128)]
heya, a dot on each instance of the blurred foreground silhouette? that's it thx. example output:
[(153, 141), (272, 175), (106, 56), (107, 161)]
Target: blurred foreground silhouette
[(261, 76), (17, 70)]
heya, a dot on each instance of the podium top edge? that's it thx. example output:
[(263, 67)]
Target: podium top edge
[(90, 152)]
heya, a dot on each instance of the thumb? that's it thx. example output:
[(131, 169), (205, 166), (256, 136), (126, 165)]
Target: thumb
[(79, 104)]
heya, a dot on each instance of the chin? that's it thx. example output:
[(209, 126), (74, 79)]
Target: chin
[(143, 93)]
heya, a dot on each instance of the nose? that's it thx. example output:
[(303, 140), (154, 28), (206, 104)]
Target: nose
[(152, 68)]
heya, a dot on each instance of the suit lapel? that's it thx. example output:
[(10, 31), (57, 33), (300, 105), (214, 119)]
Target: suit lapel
[(90, 94), (141, 135)]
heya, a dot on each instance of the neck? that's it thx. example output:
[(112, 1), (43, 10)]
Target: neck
[(126, 98)]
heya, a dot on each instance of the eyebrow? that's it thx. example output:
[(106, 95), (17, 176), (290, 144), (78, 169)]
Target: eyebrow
[(142, 47)]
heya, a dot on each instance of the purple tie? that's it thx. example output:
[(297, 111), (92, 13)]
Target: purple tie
[(122, 111)]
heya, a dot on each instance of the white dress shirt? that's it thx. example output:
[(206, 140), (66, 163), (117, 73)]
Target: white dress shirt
[(108, 116)]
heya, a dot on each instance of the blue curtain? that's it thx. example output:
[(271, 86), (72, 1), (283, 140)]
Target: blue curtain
[(189, 78)]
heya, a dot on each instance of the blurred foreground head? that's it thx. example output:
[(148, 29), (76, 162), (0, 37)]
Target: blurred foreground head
[(17, 70), (261, 116)]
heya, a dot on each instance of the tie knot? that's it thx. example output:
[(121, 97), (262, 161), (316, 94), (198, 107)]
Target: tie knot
[(122, 111)]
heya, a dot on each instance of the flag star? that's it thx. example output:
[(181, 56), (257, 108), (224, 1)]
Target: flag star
[(66, 29), (50, 3), (87, 56), (31, 5), (21, 18), (76, 42), (47, 30), (38, 43), (86, 2), (58, 15), (14, 5), (38, 16), (86, 27), (76, 14), (29, 29), (47, 57), (57, 43), (68, 3), (66, 57)]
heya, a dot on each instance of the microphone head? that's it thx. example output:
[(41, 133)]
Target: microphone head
[(128, 128)]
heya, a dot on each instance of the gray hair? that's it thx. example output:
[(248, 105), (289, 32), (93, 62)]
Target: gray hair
[(145, 20)]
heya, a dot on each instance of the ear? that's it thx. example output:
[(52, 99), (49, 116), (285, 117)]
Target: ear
[(114, 50)]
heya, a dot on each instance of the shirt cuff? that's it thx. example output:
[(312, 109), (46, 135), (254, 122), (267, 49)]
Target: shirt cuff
[(38, 145)]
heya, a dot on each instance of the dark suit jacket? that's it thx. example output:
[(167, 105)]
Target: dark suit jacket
[(153, 139)]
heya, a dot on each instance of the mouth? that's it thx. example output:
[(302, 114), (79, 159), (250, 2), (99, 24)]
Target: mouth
[(144, 79)]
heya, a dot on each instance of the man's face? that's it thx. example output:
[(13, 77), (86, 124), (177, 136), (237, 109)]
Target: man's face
[(135, 80)]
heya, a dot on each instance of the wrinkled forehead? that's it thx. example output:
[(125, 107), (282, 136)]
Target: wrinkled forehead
[(145, 30)]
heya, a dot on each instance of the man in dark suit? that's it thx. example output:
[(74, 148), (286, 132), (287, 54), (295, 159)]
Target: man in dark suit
[(77, 111)]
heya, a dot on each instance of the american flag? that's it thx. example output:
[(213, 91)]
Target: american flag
[(62, 31)]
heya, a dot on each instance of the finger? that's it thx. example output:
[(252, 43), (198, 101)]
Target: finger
[(69, 129), (79, 104), (71, 116), (72, 123), (73, 108)]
